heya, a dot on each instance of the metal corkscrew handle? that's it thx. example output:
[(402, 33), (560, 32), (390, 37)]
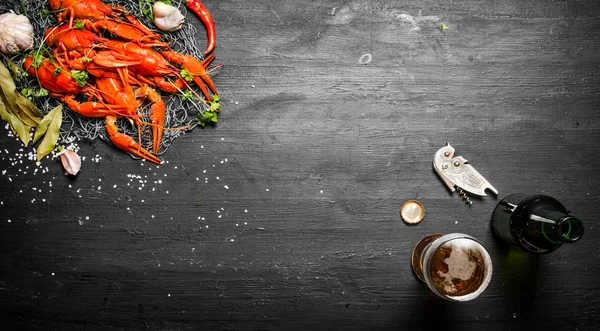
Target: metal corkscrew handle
[(459, 175)]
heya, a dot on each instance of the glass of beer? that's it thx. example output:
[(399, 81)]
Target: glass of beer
[(454, 266)]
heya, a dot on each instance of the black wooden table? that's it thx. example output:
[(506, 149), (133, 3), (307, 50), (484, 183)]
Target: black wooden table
[(285, 215)]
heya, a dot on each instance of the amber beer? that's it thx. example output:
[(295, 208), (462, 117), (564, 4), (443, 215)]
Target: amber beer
[(455, 266)]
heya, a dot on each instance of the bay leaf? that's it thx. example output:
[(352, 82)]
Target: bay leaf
[(4, 114), (52, 132), (6, 79), (16, 103), (41, 129), (20, 128), (27, 111), (15, 69), (7, 89)]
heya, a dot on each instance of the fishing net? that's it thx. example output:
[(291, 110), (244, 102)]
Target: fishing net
[(181, 110)]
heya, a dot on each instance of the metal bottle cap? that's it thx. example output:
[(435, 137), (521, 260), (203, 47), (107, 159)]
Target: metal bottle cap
[(412, 212)]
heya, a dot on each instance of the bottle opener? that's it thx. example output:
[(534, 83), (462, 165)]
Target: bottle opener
[(459, 175)]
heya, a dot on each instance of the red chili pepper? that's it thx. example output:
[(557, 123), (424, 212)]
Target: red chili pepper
[(197, 7)]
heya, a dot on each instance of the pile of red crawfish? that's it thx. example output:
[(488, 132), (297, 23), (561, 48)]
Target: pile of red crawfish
[(101, 61)]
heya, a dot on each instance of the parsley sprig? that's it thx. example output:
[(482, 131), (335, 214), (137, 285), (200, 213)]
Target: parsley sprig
[(210, 114), (81, 76)]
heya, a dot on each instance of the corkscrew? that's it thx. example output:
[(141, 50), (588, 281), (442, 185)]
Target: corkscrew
[(459, 175)]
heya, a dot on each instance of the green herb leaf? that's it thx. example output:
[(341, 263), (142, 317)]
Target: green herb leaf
[(215, 106), (146, 8), (81, 76), (50, 129), (42, 92), (186, 95), (187, 75), (79, 24), (27, 92), (56, 71), (208, 116), (86, 59), (38, 58)]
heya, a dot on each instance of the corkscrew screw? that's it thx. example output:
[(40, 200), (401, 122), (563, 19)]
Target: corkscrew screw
[(459, 175)]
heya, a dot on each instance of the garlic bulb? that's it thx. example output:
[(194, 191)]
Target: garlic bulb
[(16, 33), (70, 161), (167, 17)]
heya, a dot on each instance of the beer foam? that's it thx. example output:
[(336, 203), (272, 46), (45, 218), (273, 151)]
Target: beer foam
[(460, 266)]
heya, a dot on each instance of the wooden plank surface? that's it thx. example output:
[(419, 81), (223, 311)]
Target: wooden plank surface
[(285, 214)]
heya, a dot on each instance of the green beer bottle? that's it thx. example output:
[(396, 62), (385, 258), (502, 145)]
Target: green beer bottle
[(535, 223)]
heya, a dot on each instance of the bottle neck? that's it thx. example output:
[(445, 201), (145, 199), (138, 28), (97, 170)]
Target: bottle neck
[(557, 227)]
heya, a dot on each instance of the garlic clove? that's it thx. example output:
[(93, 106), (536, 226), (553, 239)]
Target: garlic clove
[(16, 33), (70, 161), (167, 17)]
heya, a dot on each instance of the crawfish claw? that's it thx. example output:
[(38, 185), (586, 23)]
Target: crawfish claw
[(126, 142)]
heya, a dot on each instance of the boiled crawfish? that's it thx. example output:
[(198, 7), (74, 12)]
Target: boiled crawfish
[(114, 99), (122, 69)]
